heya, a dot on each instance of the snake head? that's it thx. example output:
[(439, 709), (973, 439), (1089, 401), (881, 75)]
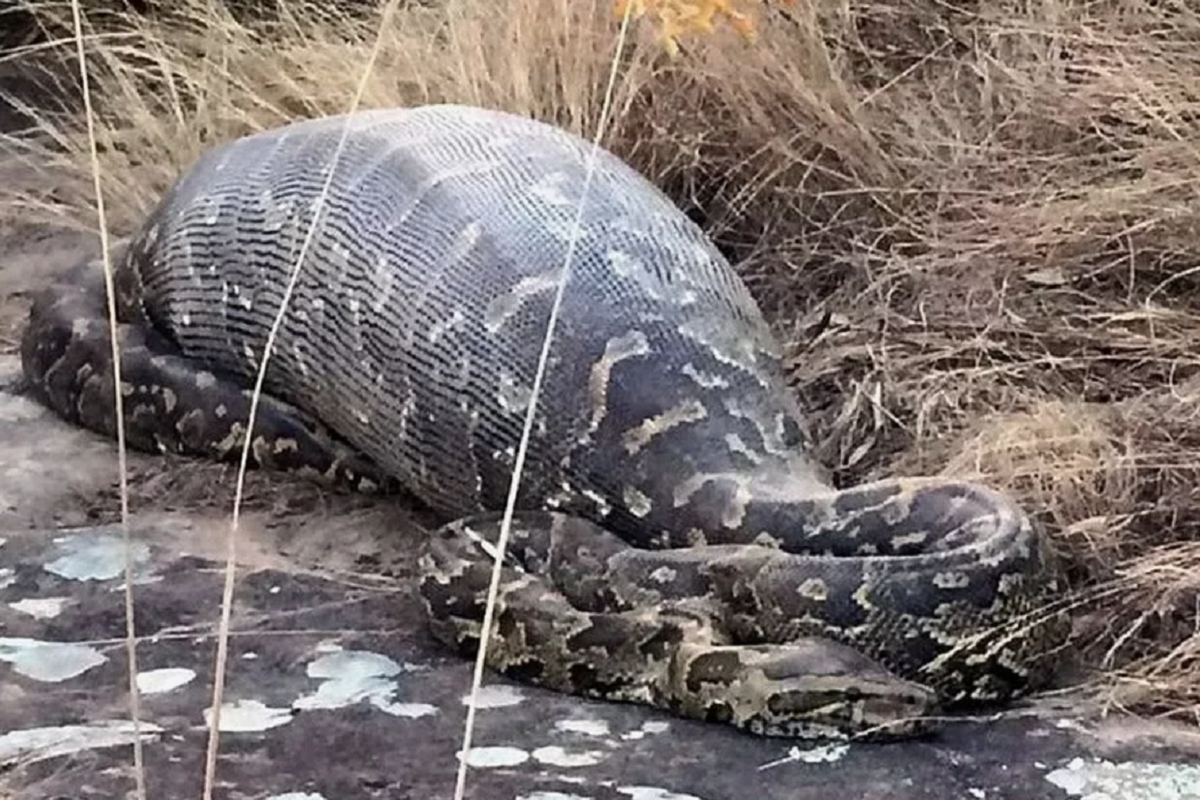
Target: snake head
[(810, 688)]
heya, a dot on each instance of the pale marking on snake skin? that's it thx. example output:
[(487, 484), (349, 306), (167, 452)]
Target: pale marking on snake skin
[(736, 445), (277, 211), (384, 274), (549, 189), (765, 539), (915, 538), (728, 349), (603, 506), (1008, 584), (422, 190), (705, 380), (236, 431), (641, 435), (813, 589), (459, 251), (512, 396), (694, 483), (153, 231), (735, 510), (685, 298), (251, 356), (301, 360), (628, 345), (354, 306), (506, 306), (771, 439), (630, 267), (639, 504), (566, 493), (663, 574), (862, 596), (442, 327)]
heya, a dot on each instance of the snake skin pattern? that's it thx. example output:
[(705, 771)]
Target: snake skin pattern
[(675, 545)]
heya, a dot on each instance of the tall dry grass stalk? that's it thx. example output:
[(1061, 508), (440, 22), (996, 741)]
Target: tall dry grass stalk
[(976, 225)]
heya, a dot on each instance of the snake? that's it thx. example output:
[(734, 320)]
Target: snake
[(673, 542)]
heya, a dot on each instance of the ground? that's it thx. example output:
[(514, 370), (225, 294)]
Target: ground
[(336, 690)]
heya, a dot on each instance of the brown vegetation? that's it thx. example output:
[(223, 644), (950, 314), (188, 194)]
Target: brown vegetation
[(977, 225)]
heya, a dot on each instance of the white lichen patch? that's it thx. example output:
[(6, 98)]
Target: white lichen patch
[(7, 577), (350, 677), (94, 557), (495, 696), (551, 796), (50, 662), (587, 727), (493, 757), (406, 710), (161, 681), (646, 729), (249, 716), (654, 793), (355, 676), (40, 607), (296, 796), (352, 665), (1095, 779), (556, 756), (826, 754), (37, 744), (821, 754)]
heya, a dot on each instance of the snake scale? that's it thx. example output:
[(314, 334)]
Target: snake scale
[(676, 544)]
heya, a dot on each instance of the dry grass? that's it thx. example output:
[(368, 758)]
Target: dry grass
[(977, 227)]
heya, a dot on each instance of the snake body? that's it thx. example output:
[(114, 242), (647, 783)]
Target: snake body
[(675, 542)]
